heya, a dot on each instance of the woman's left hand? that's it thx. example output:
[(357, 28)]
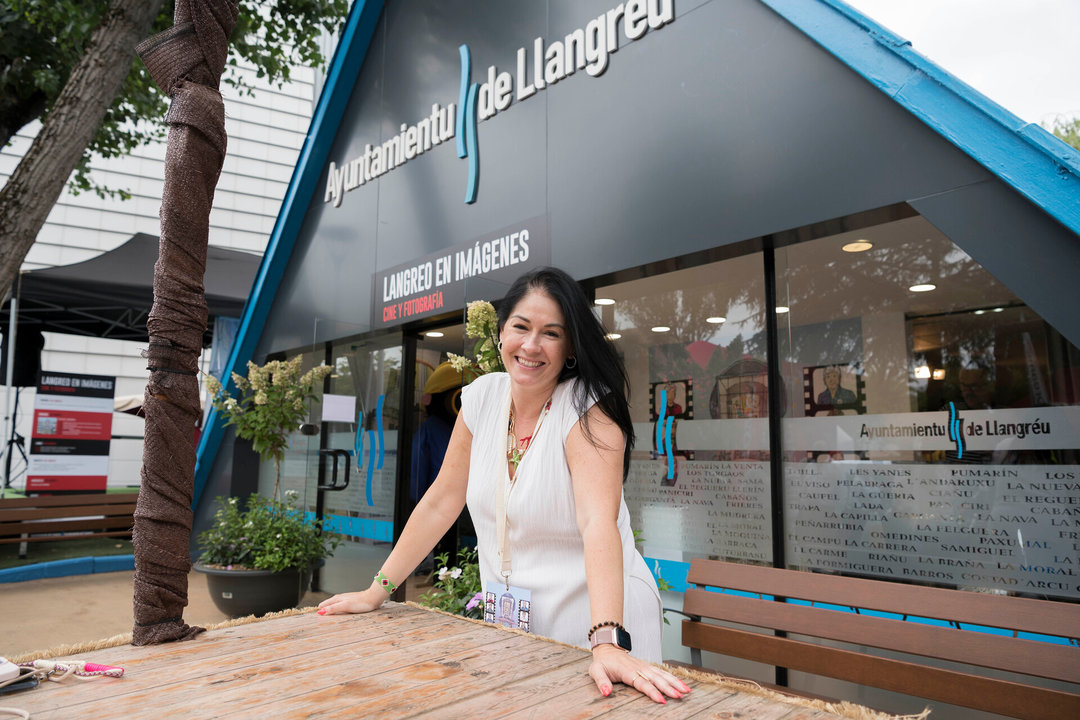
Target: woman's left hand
[(611, 664)]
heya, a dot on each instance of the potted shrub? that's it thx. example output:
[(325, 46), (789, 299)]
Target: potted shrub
[(259, 559)]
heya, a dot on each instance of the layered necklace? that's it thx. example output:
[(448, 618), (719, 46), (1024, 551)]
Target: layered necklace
[(516, 449)]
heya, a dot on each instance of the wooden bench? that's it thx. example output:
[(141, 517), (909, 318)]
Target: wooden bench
[(775, 606), (66, 517)]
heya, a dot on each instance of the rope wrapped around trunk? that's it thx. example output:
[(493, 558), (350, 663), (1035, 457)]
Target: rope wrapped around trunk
[(186, 61)]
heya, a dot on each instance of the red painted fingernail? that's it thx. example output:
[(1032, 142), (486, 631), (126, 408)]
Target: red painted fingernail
[(322, 611), (607, 691)]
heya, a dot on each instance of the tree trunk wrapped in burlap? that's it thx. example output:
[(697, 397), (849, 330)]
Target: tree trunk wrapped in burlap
[(186, 61)]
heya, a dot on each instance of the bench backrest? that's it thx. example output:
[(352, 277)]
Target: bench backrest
[(50, 514), (792, 601)]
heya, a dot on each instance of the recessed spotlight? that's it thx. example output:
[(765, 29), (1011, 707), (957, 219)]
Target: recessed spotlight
[(938, 374), (434, 333), (858, 246), (604, 301), (924, 287), (980, 312), (613, 336), (781, 309), (999, 309), (922, 372), (661, 328), (715, 320)]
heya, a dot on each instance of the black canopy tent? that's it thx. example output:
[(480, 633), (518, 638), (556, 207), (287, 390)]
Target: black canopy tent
[(110, 295)]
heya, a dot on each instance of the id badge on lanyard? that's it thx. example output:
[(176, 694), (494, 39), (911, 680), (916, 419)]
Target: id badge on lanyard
[(506, 604), (509, 606)]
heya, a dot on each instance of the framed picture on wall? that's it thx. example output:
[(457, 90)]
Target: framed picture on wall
[(837, 389), (741, 391)]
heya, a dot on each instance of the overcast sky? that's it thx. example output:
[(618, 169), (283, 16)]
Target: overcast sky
[(1022, 54)]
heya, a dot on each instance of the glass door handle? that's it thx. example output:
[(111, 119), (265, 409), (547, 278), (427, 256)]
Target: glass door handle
[(335, 455)]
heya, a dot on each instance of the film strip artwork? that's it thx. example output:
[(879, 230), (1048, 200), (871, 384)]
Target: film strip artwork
[(833, 390)]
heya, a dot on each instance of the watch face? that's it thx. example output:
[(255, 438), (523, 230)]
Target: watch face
[(622, 639)]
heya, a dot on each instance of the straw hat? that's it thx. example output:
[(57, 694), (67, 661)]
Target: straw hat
[(444, 378)]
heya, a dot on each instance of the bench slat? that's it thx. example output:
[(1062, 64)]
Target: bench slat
[(74, 525), (67, 500), (52, 537), (1013, 613), (958, 688), (18, 514), (1029, 657)]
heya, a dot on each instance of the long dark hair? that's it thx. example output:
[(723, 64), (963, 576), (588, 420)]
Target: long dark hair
[(599, 369)]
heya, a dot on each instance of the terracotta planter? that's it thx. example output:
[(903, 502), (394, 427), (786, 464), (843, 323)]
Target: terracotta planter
[(238, 593)]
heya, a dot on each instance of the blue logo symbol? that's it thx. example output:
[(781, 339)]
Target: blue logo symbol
[(465, 125), (358, 447), (956, 430), (663, 435)]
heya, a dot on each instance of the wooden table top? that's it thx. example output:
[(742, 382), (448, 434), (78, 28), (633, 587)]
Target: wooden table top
[(399, 662)]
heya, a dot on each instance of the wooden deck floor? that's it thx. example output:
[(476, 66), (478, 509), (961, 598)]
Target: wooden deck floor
[(401, 662)]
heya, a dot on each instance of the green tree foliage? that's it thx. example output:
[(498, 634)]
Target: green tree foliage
[(1067, 130), (40, 41)]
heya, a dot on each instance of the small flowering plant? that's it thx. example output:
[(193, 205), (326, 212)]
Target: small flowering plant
[(268, 535), (270, 405), (457, 589), (480, 322)]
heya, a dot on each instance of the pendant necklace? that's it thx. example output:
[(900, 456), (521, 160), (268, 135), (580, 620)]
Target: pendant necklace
[(516, 449)]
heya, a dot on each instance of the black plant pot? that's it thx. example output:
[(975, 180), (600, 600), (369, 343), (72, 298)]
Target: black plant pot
[(239, 593)]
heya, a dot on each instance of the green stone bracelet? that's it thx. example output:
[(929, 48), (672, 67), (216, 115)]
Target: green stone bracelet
[(388, 586)]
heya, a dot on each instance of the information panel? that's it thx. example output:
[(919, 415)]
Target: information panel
[(69, 444)]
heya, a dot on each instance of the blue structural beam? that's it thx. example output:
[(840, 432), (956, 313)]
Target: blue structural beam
[(64, 568), (344, 67), (1038, 165)]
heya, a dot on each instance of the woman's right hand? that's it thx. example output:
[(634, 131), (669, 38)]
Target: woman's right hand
[(354, 602)]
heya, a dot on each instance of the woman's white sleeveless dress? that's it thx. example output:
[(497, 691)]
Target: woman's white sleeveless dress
[(546, 547)]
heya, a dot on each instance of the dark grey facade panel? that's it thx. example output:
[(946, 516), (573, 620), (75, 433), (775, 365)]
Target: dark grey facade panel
[(725, 125), (1032, 254)]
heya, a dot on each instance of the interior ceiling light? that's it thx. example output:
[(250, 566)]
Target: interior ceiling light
[(922, 372), (613, 336), (858, 246), (980, 312), (999, 309), (716, 320), (604, 301), (938, 374), (434, 333), (781, 309), (661, 328), (923, 287)]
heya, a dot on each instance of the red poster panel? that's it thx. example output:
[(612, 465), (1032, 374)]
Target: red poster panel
[(69, 444)]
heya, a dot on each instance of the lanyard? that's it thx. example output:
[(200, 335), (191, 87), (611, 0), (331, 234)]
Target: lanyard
[(502, 488)]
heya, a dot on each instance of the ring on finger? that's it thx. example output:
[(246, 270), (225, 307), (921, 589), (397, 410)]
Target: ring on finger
[(643, 676)]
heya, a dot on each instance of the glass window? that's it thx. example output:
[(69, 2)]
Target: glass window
[(693, 342), (930, 425)]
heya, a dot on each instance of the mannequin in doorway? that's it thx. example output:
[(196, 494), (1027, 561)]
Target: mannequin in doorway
[(442, 396)]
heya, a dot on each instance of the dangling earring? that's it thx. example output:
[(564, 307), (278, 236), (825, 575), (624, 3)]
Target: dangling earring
[(499, 345), (568, 365)]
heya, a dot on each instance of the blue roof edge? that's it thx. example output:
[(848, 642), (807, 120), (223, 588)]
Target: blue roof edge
[(349, 56), (1033, 161)]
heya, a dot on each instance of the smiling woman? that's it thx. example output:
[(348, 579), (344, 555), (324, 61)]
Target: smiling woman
[(539, 453)]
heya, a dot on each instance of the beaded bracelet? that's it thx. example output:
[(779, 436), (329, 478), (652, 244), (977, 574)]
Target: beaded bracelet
[(388, 586), (606, 623)]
